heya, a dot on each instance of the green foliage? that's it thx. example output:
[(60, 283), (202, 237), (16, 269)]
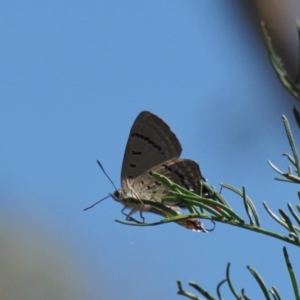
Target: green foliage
[(292, 86), (265, 291)]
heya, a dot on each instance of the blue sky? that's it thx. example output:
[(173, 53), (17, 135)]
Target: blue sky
[(74, 76)]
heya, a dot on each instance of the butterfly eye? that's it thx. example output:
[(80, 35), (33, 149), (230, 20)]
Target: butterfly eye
[(118, 195)]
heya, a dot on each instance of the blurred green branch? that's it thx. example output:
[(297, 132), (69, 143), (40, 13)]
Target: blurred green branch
[(241, 295), (292, 86)]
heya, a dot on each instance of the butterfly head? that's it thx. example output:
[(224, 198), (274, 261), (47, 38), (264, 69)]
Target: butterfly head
[(118, 195)]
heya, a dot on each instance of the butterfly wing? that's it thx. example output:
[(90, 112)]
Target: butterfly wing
[(184, 172), (150, 143)]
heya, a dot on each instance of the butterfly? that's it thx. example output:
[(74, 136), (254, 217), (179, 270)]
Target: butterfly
[(153, 147)]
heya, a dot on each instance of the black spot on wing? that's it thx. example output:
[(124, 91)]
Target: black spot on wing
[(136, 152), (148, 141), (180, 176)]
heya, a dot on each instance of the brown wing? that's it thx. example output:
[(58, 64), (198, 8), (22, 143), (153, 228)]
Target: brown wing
[(184, 172), (150, 143)]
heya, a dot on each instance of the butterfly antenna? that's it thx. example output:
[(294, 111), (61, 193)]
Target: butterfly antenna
[(99, 163), (96, 203)]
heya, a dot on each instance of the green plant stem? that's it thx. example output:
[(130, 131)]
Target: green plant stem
[(244, 226)]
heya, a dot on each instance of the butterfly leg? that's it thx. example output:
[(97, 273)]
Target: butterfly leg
[(128, 216), (141, 215)]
